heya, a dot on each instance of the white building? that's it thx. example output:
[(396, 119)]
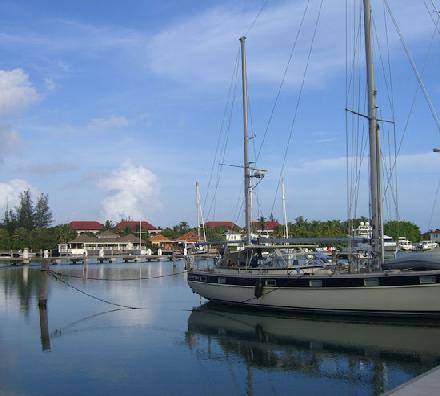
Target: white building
[(435, 236), (108, 241)]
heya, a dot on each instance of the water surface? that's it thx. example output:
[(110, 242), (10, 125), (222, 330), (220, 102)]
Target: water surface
[(178, 344)]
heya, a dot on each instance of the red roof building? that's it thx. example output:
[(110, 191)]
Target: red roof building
[(227, 225), (269, 226), (190, 237), (133, 226), (86, 226)]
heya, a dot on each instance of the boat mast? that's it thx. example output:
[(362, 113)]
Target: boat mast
[(198, 210), (283, 197), (375, 158), (246, 165), (200, 219)]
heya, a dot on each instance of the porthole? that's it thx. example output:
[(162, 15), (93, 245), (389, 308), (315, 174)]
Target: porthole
[(371, 282), (270, 282), (427, 279), (315, 283)]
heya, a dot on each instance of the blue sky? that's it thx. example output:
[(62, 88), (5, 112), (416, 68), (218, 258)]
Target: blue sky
[(115, 109)]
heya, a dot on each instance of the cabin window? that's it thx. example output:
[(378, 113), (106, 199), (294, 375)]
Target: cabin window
[(371, 282), (427, 279), (221, 280), (203, 279), (315, 283), (270, 282)]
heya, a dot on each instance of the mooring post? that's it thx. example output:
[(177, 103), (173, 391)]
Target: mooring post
[(85, 265), (42, 305), (44, 328)]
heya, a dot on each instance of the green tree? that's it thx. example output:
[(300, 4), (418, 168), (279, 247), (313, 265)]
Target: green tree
[(396, 229), (42, 213), (108, 225), (10, 221), (5, 240), (25, 211), (20, 239)]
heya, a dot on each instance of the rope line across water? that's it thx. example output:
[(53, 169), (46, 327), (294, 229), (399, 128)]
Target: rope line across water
[(117, 280), (60, 279)]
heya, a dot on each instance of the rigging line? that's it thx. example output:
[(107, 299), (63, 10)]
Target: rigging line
[(414, 67), (434, 204), (68, 284), (292, 128), (251, 26), (393, 114), (432, 17), (413, 103), (283, 80), (214, 160), (223, 155), (63, 274)]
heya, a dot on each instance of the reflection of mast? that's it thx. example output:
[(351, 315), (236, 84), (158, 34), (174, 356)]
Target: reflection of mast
[(249, 381), (42, 306)]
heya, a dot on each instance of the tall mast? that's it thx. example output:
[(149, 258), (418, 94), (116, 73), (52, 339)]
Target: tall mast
[(247, 171), (375, 158), (283, 198), (198, 210)]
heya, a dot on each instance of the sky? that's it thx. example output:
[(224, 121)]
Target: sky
[(116, 109)]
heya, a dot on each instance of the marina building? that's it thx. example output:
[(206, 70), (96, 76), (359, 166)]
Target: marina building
[(225, 225), (82, 227), (435, 236), (108, 241), (133, 227)]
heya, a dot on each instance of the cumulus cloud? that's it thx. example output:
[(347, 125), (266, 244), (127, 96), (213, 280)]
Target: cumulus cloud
[(112, 122), (10, 192), (131, 190), (16, 91)]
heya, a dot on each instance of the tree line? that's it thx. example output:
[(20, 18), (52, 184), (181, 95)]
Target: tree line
[(29, 225)]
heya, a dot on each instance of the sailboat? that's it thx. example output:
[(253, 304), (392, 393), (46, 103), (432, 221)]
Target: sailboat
[(250, 278)]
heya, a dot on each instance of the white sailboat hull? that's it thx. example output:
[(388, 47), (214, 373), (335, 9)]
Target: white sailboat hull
[(400, 300)]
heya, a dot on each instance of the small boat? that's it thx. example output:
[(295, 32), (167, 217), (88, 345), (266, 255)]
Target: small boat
[(426, 245), (405, 244)]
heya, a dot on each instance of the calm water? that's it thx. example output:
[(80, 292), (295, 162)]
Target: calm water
[(177, 344)]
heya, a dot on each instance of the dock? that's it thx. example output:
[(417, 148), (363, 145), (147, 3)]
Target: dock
[(80, 259), (427, 384)]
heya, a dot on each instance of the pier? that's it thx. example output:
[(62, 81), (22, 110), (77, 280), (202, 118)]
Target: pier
[(80, 259)]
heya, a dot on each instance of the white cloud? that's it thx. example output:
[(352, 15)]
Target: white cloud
[(16, 91), (10, 192), (131, 190), (112, 122), (200, 50), (50, 84), (10, 142)]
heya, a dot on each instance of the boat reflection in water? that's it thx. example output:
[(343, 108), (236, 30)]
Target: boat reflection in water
[(350, 355)]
